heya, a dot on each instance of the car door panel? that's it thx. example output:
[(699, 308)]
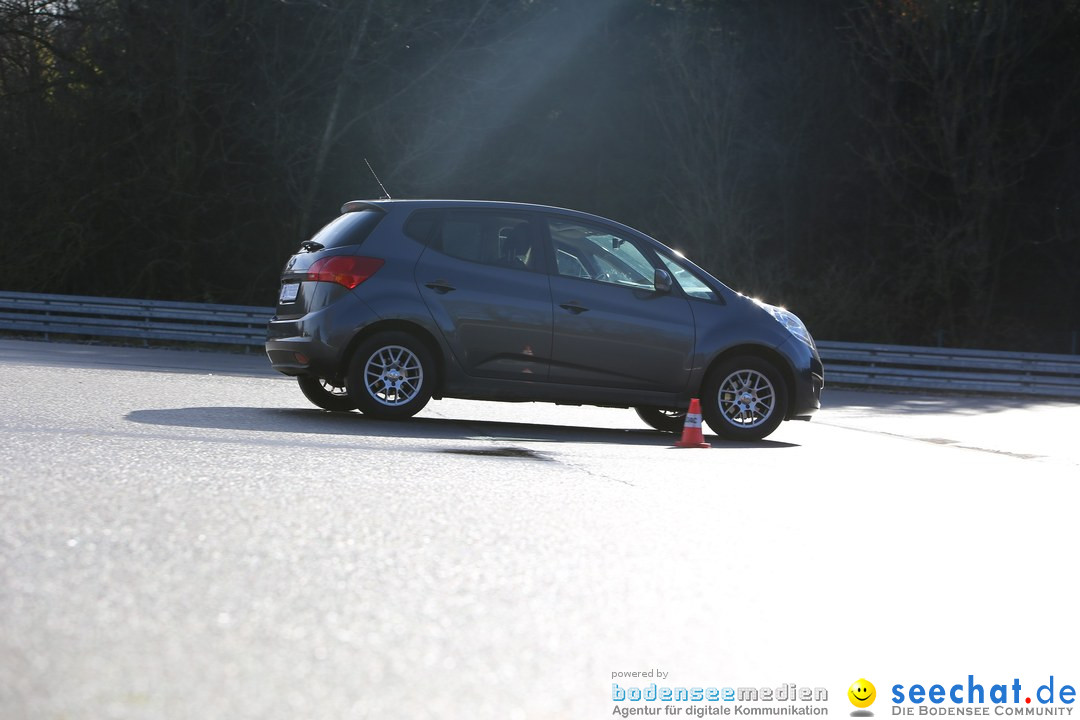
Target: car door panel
[(496, 319), (614, 336), (612, 328)]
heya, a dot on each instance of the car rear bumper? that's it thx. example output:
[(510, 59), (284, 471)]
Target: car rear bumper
[(292, 355), (314, 343)]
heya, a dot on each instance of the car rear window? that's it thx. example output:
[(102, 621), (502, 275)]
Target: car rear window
[(349, 229)]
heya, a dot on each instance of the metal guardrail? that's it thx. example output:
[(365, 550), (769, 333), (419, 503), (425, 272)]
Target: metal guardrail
[(951, 369), (140, 319), (849, 364)]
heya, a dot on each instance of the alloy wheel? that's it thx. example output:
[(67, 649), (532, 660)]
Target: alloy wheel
[(747, 398), (393, 375)]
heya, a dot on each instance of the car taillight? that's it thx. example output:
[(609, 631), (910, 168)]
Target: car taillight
[(347, 270)]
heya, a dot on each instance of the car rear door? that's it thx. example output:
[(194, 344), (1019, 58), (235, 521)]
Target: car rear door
[(483, 278), (611, 327)]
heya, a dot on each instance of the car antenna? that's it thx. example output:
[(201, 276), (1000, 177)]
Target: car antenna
[(386, 195)]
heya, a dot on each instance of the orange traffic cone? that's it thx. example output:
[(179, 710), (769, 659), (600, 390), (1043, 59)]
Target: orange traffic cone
[(691, 432)]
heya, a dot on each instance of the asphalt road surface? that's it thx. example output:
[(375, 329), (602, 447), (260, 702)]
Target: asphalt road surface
[(183, 536)]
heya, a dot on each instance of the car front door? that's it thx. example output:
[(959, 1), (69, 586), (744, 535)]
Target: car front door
[(483, 278), (612, 328)]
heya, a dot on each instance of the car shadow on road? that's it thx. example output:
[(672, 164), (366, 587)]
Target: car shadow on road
[(320, 422)]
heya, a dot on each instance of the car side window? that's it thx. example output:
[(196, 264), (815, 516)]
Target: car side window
[(490, 238), (595, 253), (688, 281), (420, 225)]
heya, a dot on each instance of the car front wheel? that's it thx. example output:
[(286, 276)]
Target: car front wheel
[(744, 398), (325, 394), (391, 376)]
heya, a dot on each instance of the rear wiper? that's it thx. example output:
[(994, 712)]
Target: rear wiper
[(311, 246)]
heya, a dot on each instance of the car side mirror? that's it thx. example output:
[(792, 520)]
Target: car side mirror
[(662, 280)]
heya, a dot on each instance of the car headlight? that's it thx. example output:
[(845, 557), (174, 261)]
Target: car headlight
[(790, 321)]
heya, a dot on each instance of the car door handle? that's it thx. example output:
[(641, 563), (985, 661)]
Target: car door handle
[(440, 286), (574, 307)]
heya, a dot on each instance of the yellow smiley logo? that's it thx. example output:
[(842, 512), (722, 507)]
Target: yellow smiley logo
[(862, 693)]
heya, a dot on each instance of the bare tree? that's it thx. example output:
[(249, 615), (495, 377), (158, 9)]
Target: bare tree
[(709, 184), (954, 139)]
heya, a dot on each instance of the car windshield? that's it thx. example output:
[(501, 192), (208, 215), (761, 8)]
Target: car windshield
[(688, 281)]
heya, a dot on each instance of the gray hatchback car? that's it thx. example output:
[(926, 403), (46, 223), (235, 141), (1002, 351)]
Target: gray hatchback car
[(396, 302)]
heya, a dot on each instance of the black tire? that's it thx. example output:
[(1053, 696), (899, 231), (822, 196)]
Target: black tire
[(391, 376), (669, 421), (325, 394), (744, 399)]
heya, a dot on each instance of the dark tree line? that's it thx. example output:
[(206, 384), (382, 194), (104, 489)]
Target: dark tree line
[(893, 170)]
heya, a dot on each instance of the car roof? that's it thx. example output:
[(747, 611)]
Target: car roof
[(386, 204)]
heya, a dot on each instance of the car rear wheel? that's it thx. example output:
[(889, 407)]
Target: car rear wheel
[(670, 421), (325, 394), (391, 376), (745, 398)]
